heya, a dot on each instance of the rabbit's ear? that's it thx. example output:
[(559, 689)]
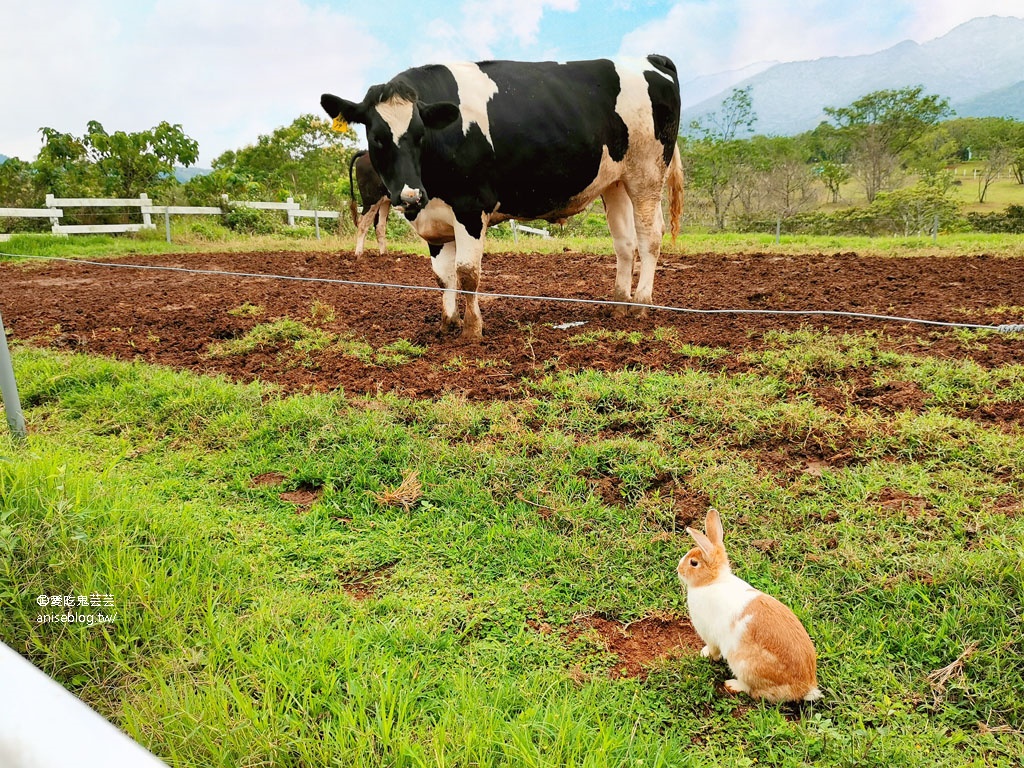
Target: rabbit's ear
[(702, 541), (713, 526)]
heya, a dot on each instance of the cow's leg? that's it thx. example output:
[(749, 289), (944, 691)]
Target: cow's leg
[(365, 222), (382, 225), (619, 210), (442, 260), (468, 258), (650, 226)]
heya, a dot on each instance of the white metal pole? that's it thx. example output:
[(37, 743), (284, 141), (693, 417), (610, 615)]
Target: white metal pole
[(44, 726), (9, 387)]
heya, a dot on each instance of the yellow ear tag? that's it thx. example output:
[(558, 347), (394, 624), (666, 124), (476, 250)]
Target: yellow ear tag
[(339, 125)]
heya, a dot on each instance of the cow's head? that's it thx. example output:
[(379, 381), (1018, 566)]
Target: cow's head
[(396, 122)]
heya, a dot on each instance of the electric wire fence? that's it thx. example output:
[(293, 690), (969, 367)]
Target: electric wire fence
[(1004, 328)]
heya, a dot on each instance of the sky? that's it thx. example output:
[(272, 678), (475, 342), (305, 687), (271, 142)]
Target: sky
[(229, 71)]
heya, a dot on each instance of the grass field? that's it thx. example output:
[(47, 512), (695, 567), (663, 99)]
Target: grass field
[(308, 580), (102, 246)]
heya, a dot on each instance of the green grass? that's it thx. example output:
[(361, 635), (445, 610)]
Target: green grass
[(689, 243), (237, 641), (298, 342), (1002, 191)]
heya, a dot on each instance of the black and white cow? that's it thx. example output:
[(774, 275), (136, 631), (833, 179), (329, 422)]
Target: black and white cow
[(463, 146), (376, 203)]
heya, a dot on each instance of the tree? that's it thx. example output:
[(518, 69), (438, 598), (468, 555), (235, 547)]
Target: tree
[(997, 160), (873, 165), (19, 188), (833, 175), (734, 118), (920, 209), (119, 164), (829, 153), (789, 187), (63, 166), (775, 177), (132, 163), (932, 154), (716, 158), (882, 126), (306, 159), (716, 168)]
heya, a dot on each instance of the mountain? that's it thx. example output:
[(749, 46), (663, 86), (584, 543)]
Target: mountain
[(700, 88), (3, 159), (977, 66), (187, 174), (1005, 102)]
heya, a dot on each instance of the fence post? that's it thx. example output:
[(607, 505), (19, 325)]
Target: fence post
[(291, 217), (316, 222), (54, 221), (167, 223), (9, 388), (147, 220)]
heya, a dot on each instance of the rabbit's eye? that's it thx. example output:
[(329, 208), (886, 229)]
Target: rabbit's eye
[(694, 563)]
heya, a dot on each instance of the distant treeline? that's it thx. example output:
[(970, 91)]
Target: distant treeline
[(866, 155), (306, 160)]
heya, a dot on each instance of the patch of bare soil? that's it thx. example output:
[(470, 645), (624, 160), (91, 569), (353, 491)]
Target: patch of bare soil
[(304, 496), (640, 643), (172, 318)]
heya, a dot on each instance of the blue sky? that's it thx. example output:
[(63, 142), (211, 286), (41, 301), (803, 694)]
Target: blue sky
[(231, 70)]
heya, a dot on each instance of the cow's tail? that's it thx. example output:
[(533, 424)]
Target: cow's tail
[(353, 207), (675, 192)]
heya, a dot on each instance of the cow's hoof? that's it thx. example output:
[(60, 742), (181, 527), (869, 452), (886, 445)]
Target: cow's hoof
[(636, 311), (450, 326), (472, 322)]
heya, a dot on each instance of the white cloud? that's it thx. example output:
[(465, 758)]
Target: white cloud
[(484, 25), (227, 71), (704, 38), (46, 66), (935, 18)]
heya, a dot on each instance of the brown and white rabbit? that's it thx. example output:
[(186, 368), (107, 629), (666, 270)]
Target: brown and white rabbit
[(763, 642)]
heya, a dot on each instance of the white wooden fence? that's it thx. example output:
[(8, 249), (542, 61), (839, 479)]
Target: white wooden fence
[(54, 211), (53, 215), (142, 202)]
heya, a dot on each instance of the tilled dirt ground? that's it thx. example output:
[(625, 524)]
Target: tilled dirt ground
[(173, 317)]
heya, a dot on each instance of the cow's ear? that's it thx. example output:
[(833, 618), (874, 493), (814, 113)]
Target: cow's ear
[(337, 107), (439, 115)]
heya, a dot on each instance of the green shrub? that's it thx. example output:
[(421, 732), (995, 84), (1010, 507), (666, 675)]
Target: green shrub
[(909, 211), (208, 229), (862, 222), (252, 221), (1010, 221)]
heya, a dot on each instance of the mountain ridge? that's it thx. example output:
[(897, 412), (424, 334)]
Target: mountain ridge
[(971, 65)]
